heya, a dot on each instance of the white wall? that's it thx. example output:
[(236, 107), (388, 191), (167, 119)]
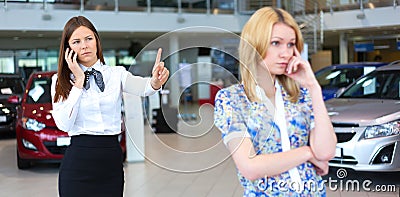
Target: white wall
[(15, 18), (378, 17), (29, 17)]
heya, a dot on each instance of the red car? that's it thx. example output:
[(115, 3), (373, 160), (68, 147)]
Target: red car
[(38, 138)]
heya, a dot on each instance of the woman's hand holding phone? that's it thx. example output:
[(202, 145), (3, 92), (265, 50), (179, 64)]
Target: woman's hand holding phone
[(72, 60)]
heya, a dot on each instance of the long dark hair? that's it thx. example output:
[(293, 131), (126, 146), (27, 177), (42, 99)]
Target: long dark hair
[(63, 85)]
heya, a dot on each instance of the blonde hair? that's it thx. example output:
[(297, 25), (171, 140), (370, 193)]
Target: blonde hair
[(254, 43)]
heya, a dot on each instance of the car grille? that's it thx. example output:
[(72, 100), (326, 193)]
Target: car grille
[(52, 127), (336, 124), (54, 149), (344, 160), (344, 137)]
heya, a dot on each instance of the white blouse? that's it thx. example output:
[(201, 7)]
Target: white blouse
[(94, 112)]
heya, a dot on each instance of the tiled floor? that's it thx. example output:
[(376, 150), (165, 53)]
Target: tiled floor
[(194, 163)]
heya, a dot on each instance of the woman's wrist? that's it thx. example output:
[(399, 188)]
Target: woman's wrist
[(307, 152), (313, 85), (78, 83), (154, 85)]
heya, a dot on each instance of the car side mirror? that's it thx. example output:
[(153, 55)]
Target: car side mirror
[(339, 92)]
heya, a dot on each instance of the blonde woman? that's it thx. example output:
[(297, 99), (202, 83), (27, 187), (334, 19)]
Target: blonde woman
[(274, 122)]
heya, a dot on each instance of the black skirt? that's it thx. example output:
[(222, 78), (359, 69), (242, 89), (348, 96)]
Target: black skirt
[(92, 166)]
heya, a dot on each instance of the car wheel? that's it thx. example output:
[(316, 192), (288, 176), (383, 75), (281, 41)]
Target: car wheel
[(22, 163)]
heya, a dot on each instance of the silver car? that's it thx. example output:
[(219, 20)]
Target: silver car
[(366, 119)]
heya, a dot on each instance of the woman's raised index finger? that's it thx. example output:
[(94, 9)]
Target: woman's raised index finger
[(158, 58), (296, 52)]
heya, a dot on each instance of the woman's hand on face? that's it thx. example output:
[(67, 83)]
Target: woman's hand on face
[(300, 70), (160, 73), (71, 58)]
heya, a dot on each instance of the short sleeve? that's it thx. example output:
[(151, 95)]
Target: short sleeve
[(227, 117)]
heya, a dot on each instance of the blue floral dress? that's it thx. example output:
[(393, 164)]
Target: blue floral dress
[(236, 116)]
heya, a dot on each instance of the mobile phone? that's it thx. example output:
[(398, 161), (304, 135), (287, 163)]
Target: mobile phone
[(67, 46), (73, 52)]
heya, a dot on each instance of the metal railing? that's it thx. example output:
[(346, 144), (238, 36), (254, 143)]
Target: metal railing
[(297, 7), (208, 6), (177, 6)]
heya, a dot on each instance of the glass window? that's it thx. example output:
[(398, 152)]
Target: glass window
[(376, 85), (11, 85), (340, 77), (39, 92), (47, 59), (109, 57), (124, 59), (26, 58), (7, 62)]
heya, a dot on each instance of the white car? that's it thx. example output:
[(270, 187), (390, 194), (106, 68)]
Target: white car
[(366, 119)]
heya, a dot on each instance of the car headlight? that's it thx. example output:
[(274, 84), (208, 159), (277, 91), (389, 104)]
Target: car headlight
[(387, 129), (32, 124)]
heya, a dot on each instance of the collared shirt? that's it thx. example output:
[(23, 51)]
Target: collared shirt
[(236, 116), (94, 112)]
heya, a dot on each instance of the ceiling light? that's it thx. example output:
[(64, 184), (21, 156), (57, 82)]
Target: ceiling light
[(371, 5), (180, 19), (216, 11), (381, 47), (46, 17), (361, 16)]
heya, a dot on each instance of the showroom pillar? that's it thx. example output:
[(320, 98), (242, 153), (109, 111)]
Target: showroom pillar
[(134, 123), (343, 49), (174, 66)]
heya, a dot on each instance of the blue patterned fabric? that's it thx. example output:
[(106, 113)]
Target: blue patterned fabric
[(236, 116)]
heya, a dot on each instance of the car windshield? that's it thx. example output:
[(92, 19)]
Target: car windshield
[(376, 85), (341, 77), (11, 86), (39, 91)]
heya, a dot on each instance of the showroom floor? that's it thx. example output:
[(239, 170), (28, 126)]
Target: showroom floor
[(194, 163)]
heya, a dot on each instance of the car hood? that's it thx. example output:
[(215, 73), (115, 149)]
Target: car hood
[(39, 112), (363, 112)]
